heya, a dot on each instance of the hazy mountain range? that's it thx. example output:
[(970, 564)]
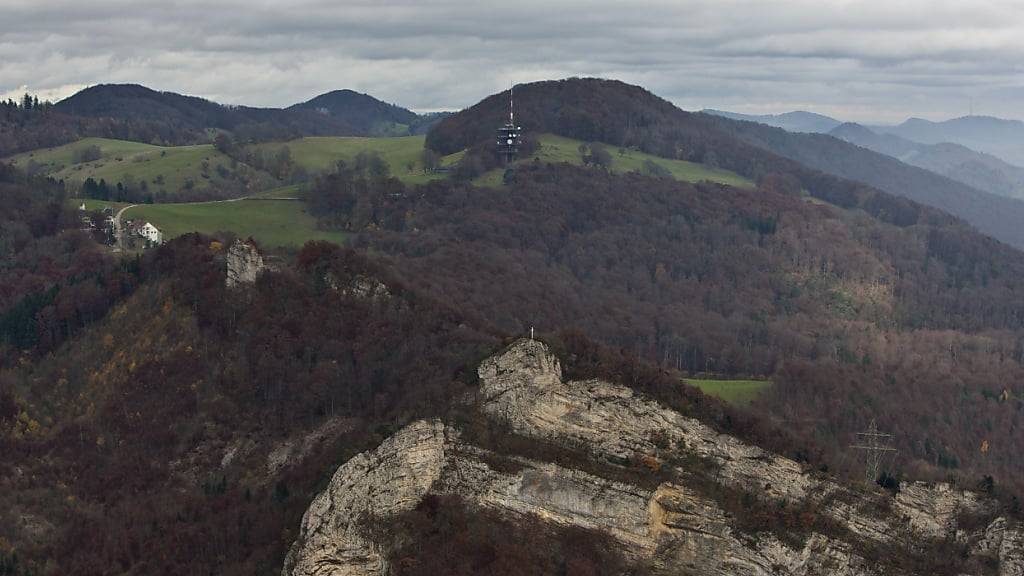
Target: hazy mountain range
[(797, 121), (980, 151)]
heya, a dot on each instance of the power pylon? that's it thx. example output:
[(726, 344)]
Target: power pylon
[(875, 446)]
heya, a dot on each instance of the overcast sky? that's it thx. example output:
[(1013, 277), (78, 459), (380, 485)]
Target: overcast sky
[(857, 60)]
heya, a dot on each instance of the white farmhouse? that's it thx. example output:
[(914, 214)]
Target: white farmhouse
[(151, 233)]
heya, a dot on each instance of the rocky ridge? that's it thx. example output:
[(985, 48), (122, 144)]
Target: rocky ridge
[(673, 527)]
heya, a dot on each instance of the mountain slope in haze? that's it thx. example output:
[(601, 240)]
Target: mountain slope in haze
[(996, 136), (976, 169), (997, 216), (619, 114), (796, 121)]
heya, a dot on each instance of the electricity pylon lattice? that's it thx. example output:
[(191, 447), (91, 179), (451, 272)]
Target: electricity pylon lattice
[(875, 447)]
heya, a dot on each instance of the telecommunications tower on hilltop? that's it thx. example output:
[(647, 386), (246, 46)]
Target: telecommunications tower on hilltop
[(508, 135)]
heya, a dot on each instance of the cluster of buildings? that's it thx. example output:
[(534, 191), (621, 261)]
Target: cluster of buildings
[(146, 231)]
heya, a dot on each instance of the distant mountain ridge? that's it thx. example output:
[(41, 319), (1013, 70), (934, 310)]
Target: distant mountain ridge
[(337, 113), (796, 121), (141, 114), (980, 170), (996, 136)]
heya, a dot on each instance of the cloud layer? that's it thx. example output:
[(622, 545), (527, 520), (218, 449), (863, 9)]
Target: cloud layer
[(861, 60)]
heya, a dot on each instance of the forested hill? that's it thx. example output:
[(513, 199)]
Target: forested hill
[(365, 113), (138, 104), (138, 113), (623, 115)]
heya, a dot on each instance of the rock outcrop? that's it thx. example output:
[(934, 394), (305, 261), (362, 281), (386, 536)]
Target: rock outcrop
[(244, 263), (673, 527), (359, 286), (428, 457)]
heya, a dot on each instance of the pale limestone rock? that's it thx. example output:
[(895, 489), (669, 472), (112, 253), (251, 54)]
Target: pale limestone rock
[(931, 509), (523, 386), (675, 528), (244, 264), (293, 450), (1004, 540), (672, 527), (360, 286), (390, 479)]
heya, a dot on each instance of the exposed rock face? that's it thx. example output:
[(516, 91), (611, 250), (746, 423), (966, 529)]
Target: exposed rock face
[(1004, 540), (523, 386), (675, 528), (392, 478), (427, 457), (360, 286), (244, 263)]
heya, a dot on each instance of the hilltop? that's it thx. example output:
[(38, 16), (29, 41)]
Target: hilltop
[(368, 114), (628, 116)]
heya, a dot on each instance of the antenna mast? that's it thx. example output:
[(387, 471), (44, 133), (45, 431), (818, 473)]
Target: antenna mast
[(509, 134)]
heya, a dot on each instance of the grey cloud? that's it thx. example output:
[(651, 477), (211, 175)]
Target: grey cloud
[(868, 60)]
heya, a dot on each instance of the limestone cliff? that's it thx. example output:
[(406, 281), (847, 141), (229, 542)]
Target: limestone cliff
[(244, 263), (674, 526)]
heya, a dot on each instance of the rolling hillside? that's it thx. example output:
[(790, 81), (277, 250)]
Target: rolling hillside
[(164, 172), (622, 115), (319, 154)]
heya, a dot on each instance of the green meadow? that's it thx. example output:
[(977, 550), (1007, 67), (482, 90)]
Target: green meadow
[(558, 149), (167, 168), (322, 153), (272, 223), (735, 392)]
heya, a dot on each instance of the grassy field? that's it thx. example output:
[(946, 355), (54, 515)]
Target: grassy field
[(271, 223), (735, 392), (557, 149), (167, 168), (51, 160), (321, 153)]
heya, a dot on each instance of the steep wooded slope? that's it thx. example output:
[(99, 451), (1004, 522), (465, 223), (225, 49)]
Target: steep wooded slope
[(853, 317)]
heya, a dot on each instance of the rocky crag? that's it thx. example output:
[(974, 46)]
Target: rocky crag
[(675, 525), (244, 263)]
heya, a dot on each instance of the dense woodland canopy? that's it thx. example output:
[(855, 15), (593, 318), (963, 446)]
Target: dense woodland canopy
[(115, 443), (126, 382)]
